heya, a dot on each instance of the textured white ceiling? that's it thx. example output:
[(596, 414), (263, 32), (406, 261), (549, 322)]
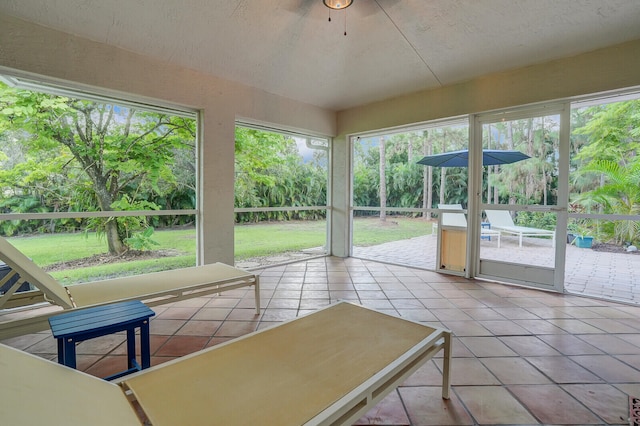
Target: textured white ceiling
[(392, 47)]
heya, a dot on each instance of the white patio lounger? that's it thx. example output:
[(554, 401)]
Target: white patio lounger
[(460, 221), (501, 220), (153, 289), (326, 368)]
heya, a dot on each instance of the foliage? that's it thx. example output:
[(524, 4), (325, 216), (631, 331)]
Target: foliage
[(611, 163), (271, 171), (142, 240), (405, 179), (59, 154), (542, 220), (619, 194), (77, 155)]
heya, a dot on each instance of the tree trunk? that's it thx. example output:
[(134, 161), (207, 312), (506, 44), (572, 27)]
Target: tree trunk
[(496, 193), (116, 246), (530, 181), (443, 170), (113, 239), (383, 182), (427, 177)]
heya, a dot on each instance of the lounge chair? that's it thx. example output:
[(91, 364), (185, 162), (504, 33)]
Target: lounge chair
[(460, 221), (153, 289), (328, 367), (502, 221)]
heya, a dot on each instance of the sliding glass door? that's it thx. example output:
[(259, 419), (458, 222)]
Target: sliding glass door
[(520, 197)]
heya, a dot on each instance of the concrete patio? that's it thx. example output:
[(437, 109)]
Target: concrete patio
[(588, 272)]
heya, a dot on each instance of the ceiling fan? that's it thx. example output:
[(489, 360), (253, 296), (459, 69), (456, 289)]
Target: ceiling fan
[(357, 8)]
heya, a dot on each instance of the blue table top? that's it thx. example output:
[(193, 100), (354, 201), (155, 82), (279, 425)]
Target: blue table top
[(99, 317)]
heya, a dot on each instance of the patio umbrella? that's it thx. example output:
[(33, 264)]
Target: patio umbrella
[(490, 157)]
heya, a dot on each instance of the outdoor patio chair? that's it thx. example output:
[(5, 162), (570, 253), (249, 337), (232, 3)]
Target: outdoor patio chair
[(153, 289), (502, 221), (460, 221), (279, 375)]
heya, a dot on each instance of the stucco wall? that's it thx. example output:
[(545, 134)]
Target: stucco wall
[(30, 48)]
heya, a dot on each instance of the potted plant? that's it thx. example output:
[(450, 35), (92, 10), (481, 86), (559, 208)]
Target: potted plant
[(581, 233)]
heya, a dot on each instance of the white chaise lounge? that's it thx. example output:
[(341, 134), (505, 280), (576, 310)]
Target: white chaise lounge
[(326, 368), (153, 289), (460, 221), (502, 221)]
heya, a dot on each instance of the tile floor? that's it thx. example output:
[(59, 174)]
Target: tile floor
[(521, 356)]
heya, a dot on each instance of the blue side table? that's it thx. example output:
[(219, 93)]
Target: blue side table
[(84, 324)]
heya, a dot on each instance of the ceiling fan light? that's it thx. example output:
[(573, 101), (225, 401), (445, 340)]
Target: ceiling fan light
[(337, 4)]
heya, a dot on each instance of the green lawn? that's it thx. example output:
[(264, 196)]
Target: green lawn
[(255, 240), (368, 231)]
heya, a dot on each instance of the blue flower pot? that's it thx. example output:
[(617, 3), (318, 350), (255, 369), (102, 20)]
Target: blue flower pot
[(584, 242)]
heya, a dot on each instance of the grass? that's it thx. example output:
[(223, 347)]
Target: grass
[(255, 240), (268, 239), (369, 231)]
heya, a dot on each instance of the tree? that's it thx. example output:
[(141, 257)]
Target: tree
[(427, 176), (383, 180), (612, 163), (271, 171), (619, 194), (120, 152)]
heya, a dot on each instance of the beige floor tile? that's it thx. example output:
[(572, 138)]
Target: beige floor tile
[(611, 344), (610, 325), (494, 405), (469, 372), (183, 313), (389, 411), (26, 341), (528, 346), (420, 315), (450, 315), (165, 327), (606, 401), (425, 406), (513, 370), (466, 328), (569, 344), (552, 405), (468, 303), (101, 345), (515, 313), (504, 328), (108, 365), (200, 328), (487, 346), (575, 326), (459, 350), (427, 375), (215, 314), (182, 345), (608, 368), (279, 314), (539, 327), (236, 328), (563, 370)]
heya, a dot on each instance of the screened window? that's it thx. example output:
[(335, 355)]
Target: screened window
[(96, 187), (281, 196)]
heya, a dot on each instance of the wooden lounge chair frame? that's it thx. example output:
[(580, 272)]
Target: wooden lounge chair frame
[(502, 221), (326, 368), (153, 289)]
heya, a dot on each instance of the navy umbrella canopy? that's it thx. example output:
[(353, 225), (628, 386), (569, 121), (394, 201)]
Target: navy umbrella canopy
[(490, 157)]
